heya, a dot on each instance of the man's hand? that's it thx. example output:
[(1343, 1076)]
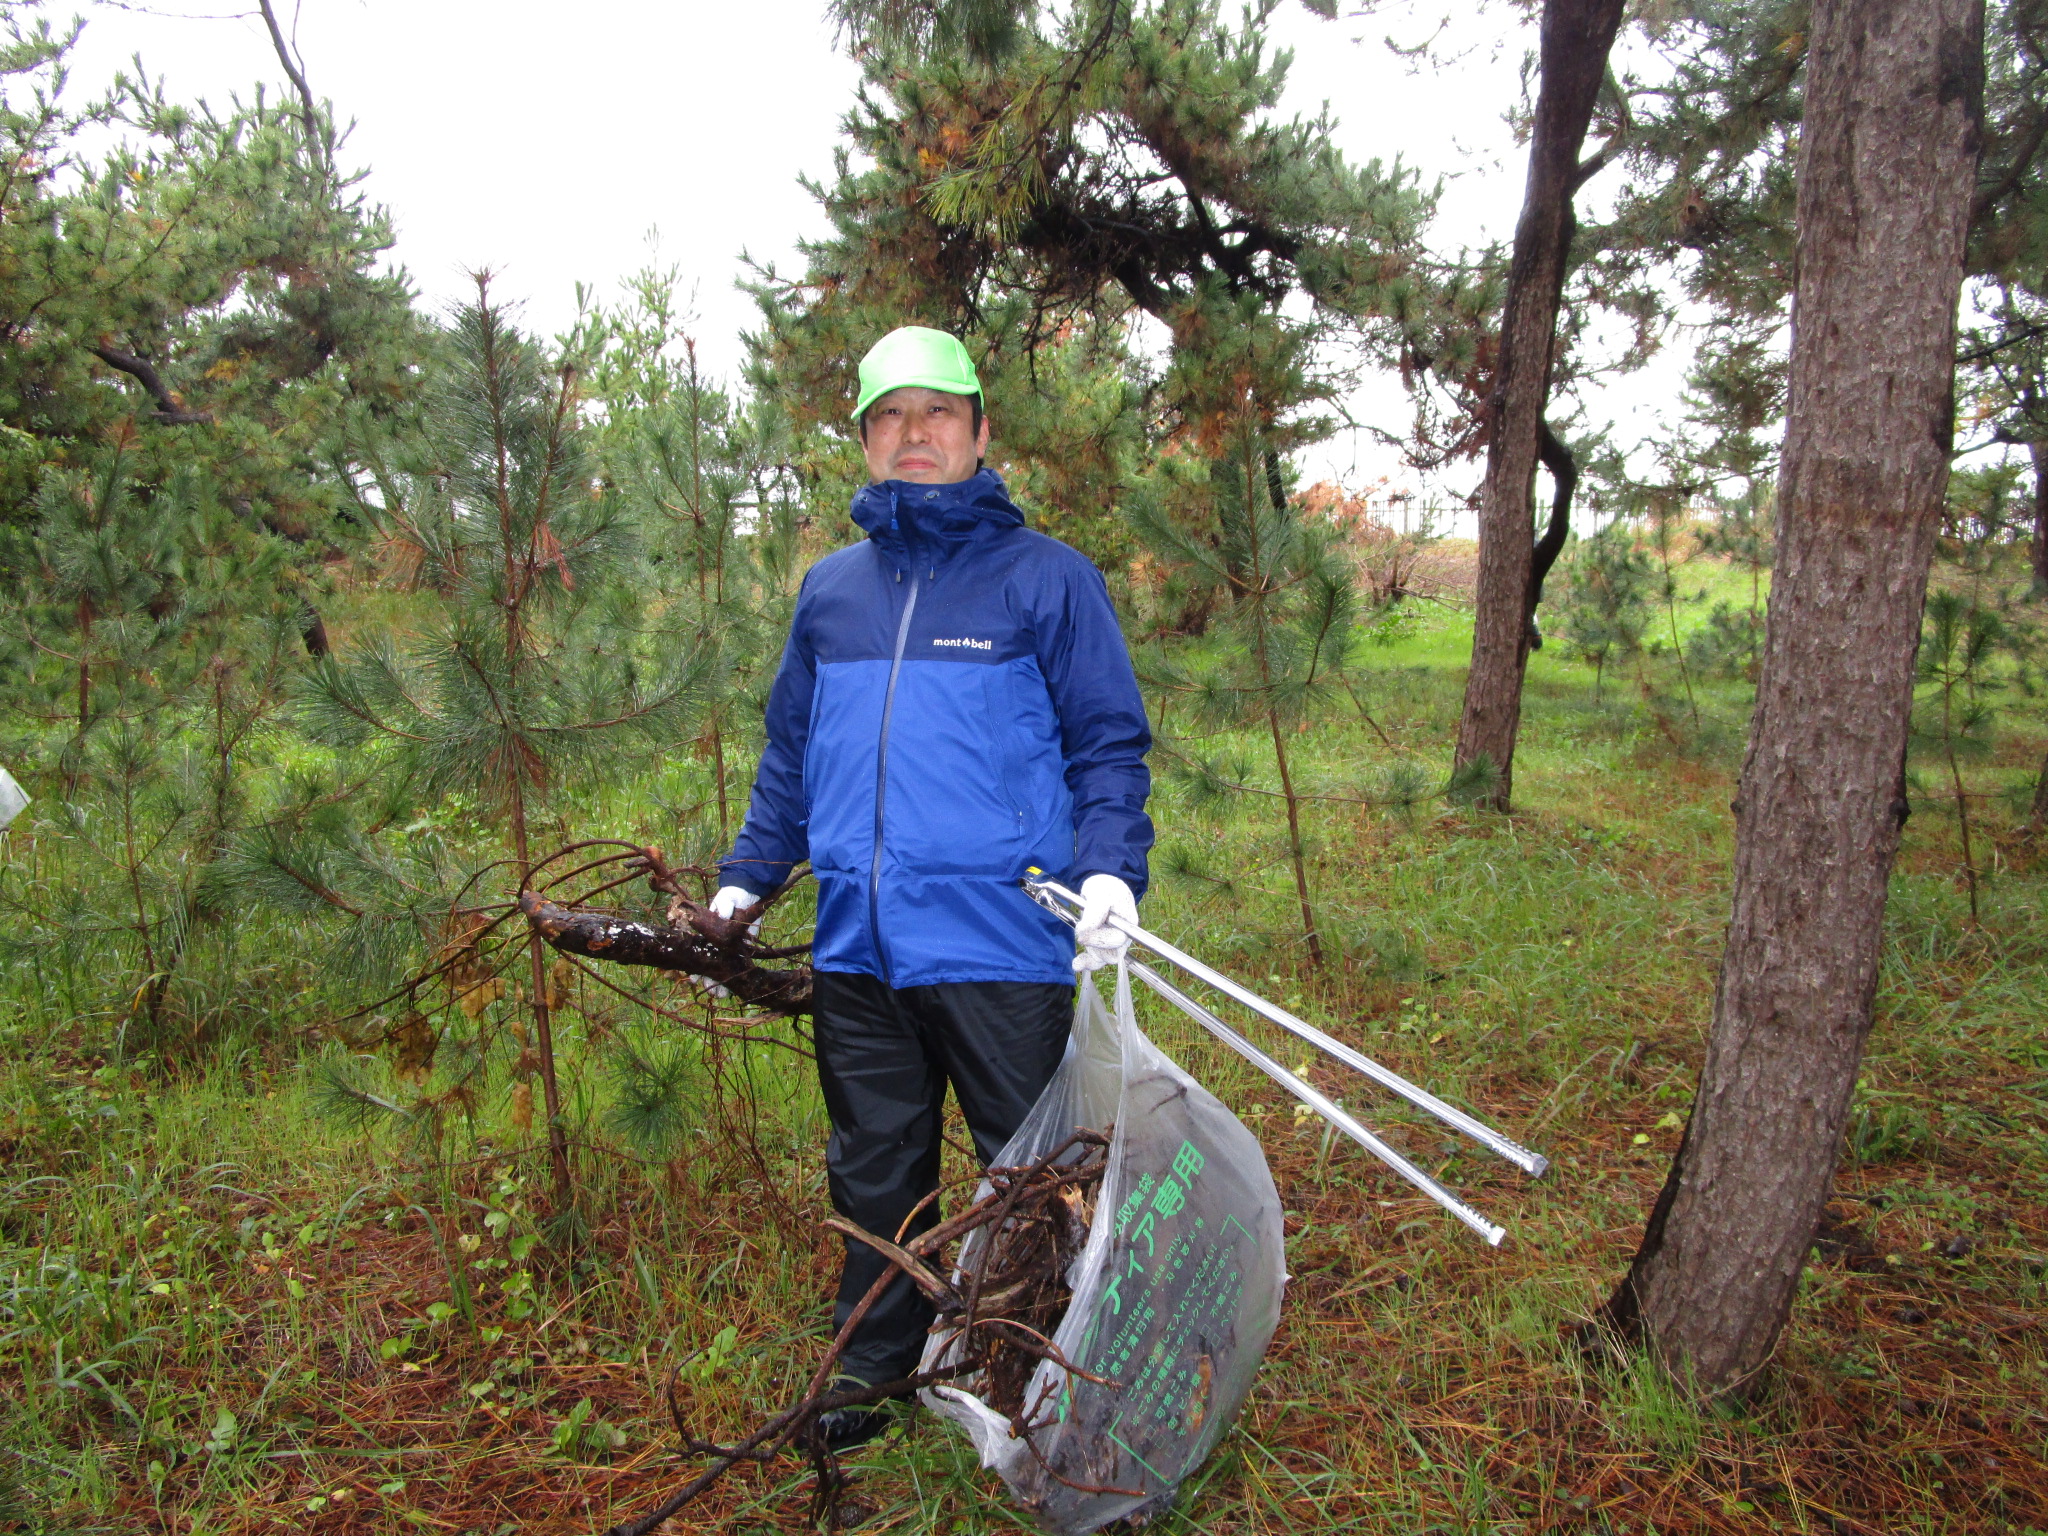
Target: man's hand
[(735, 898), (730, 899), (1103, 897)]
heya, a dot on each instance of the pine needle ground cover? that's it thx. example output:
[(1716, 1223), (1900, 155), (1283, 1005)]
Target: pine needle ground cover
[(225, 1310)]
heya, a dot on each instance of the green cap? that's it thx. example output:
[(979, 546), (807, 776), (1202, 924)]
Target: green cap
[(915, 356)]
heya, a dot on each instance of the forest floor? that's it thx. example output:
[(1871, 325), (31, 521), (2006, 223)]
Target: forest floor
[(226, 1311)]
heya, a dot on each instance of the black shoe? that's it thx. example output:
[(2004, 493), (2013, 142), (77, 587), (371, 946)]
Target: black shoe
[(845, 1428)]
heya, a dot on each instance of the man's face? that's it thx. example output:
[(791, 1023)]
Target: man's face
[(923, 435)]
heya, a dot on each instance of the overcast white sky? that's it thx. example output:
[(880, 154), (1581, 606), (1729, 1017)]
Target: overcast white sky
[(556, 143)]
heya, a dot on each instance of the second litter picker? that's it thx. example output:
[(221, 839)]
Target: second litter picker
[(1058, 899)]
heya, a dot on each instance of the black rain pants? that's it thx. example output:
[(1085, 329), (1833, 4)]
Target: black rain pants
[(885, 1057)]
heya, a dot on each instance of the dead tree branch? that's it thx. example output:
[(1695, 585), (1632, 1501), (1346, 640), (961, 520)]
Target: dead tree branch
[(606, 936), (319, 141)]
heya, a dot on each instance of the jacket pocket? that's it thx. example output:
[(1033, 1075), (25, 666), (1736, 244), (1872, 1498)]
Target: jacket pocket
[(950, 810), (839, 764)]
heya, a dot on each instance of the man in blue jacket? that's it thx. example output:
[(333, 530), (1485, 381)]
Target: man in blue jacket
[(955, 706)]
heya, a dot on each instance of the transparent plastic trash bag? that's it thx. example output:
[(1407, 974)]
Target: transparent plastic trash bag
[(1175, 1294), (13, 798)]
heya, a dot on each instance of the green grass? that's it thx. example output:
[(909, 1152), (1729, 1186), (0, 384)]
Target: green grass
[(225, 1310)]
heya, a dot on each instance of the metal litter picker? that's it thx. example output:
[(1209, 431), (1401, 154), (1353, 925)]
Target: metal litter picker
[(1057, 899)]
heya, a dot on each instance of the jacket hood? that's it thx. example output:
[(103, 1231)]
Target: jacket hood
[(916, 524)]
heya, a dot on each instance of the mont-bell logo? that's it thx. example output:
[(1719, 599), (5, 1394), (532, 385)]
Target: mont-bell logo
[(970, 645)]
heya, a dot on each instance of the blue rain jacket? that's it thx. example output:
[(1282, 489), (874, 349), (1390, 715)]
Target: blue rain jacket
[(955, 705)]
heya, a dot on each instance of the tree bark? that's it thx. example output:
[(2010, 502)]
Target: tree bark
[(1564, 480), (170, 410), (604, 936), (319, 139), (1887, 164), (313, 631), (1576, 38)]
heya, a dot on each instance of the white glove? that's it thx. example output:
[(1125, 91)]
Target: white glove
[(730, 899), (1103, 896)]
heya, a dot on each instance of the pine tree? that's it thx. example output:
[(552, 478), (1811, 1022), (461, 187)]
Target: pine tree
[(709, 482), (1281, 591), (247, 321), (1742, 534), (1605, 604), (532, 664), (149, 628), (1039, 180), (103, 605), (1889, 118), (2007, 390), (1575, 38), (1707, 197), (1954, 723)]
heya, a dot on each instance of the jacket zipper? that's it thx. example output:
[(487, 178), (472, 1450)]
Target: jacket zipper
[(882, 779)]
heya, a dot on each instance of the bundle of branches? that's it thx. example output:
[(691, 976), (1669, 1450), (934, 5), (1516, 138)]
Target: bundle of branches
[(694, 941), (1006, 1292), (1012, 1285)]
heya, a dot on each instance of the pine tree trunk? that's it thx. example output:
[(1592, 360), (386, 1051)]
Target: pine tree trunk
[(1294, 847), (85, 618), (313, 631), (560, 1177), (1577, 35), (1261, 588), (519, 551), (1887, 162), (1564, 480)]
